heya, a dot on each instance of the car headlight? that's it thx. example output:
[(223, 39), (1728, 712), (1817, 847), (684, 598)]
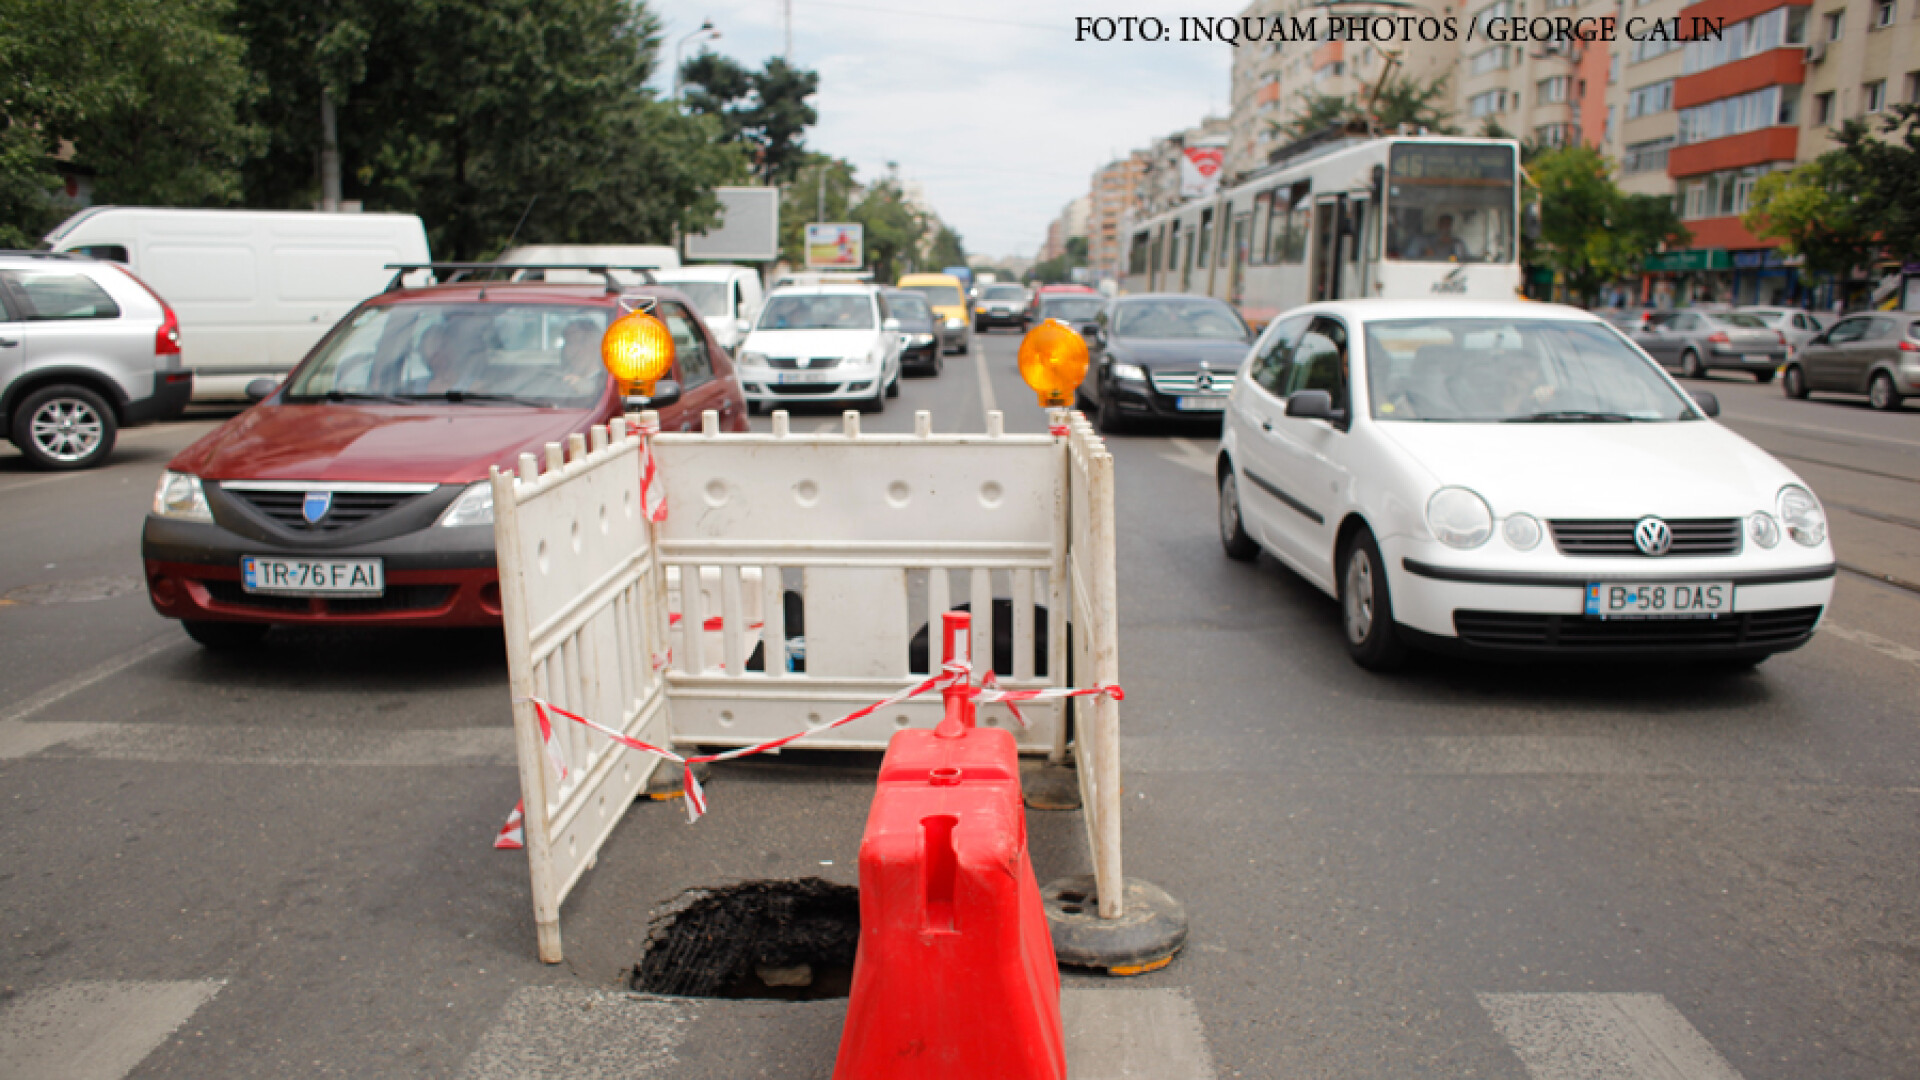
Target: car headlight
[(1522, 531), (1459, 518), (181, 497), (1762, 529), (954, 324), (1800, 512), (753, 358), (473, 507), (1130, 371), (922, 339)]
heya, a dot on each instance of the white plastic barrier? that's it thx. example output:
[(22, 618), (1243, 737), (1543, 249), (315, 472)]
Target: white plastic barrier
[(876, 535)]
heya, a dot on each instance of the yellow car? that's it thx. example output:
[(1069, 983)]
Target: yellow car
[(948, 299)]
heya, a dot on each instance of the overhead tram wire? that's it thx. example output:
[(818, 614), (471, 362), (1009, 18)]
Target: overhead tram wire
[(907, 13)]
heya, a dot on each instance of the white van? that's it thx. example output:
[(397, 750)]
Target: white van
[(727, 297), (254, 289), (651, 256)]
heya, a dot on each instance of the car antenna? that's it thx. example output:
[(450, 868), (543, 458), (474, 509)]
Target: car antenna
[(515, 234)]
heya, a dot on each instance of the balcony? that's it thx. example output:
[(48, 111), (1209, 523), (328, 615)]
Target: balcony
[(1733, 151), (1775, 67)]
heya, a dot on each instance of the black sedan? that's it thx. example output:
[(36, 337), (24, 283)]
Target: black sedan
[(1162, 356), (919, 332)]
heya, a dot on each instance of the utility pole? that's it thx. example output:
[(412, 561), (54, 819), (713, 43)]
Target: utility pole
[(820, 211), (787, 7), (329, 155)]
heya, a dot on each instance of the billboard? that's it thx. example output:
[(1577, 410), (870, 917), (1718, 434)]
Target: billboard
[(836, 246), (1200, 170), (749, 228)]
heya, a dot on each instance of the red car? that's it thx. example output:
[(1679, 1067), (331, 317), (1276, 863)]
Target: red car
[(356, 491)]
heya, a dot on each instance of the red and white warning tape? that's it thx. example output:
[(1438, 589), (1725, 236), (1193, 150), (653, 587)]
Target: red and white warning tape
[(513, 835), (953, 674), (653, 494)]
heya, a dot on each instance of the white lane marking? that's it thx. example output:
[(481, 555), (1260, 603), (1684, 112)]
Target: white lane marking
[(1190, 456), (1603, 1037), (95, 1030), (1836, 434), (1883, 646), (988, 403), (563, 1032), (219, 744), (828, 427), (106, 669), (1127, 1034)]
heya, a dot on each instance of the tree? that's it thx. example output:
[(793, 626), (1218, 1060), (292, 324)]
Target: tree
[(1808, 210), (823, 189), (144, 97), (1591, 232), (893, 229), (1059, 269), (766, 110), (1318, 112), (946, 249), (1400, 100), (1881, 172)]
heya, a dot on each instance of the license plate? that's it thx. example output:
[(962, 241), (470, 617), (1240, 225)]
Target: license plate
[(1200, 404), (313, 577), (1758, 358), (1659, 599), (786, 377)]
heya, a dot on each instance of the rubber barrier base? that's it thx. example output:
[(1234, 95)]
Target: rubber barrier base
[(1051, 787), (1144, 939)]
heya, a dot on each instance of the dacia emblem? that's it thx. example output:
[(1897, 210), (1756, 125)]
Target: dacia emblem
[(316, 506)]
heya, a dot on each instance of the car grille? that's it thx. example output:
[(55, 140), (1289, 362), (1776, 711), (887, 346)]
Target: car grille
[(789, 363), (350, 508), (1188, 382), (395, 598), (1753, 629), (805, 388), (1691, 536)]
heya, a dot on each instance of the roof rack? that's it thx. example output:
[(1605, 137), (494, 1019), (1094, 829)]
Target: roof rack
[(35, 253), (462, 271)]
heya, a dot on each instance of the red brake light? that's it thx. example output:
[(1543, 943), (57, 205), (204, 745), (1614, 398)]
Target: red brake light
[(1908, 346), (166, 340), (1719, 337), (1781, 336)]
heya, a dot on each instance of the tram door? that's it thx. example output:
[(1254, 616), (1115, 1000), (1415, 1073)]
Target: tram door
[(1326, 248), (1237, 278), (1353, 276)]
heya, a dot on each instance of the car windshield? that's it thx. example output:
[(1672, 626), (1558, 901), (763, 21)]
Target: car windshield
[(1178, 320), (938, 295), (1738, 322), (1003, 292), (831, 311), (1074, 309), (540, 354), (910, 308), (709, 297), (1512, 370)]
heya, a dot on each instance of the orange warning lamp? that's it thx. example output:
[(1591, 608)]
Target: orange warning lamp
[(638, 351), (1053, 360)]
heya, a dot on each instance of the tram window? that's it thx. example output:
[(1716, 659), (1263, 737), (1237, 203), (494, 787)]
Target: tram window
[(1137, 254), (1202, 238), (1299, 220), (1450, 203)]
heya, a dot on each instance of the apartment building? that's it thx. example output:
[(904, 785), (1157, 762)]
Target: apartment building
[(1115, 187), (1528, 89)]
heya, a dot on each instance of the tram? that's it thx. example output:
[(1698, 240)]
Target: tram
[(1399, 217)]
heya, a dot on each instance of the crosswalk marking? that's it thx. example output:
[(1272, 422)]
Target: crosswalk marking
[(94, 1030), (1603, 1037)]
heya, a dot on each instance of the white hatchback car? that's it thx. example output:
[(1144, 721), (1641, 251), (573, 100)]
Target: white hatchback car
[(1512, 479), (824, 343)]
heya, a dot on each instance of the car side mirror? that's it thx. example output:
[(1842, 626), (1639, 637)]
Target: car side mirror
[(890, 324), (742, 325), (261, 389), (1315, 405), (1706, 400), (665, 392)]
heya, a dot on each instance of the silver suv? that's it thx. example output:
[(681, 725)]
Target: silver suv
[(85, 350)]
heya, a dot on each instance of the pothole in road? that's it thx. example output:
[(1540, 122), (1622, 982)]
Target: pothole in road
[(77, 591), (785, 940)]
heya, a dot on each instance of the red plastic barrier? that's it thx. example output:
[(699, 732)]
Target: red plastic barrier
[(955, 976)]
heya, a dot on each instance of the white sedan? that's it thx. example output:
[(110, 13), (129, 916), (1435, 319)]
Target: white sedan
[(1513, 479)]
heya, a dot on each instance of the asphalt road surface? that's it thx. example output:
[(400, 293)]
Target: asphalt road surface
[(281, 864)]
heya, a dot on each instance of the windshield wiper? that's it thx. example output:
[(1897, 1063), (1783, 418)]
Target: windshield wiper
[(457, 396), (354, 395), (1570, 416)]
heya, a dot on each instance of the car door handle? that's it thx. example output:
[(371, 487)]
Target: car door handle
[(1266, 424), (8, 342)]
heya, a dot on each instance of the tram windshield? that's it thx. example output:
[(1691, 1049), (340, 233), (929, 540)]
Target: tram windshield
[(1450, 202)]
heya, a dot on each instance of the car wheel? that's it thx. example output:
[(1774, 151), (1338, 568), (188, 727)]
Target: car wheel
[(1109, 420), (1794, 384), (1763, 377), (1233, 532), (876, 402), (893, 388), (934, 369), (1690, 366), (1366, 607), (1881, 394), (65, 427), (226, 636), (753, 408)]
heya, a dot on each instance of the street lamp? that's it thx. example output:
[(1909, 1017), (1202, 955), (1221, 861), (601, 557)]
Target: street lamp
[(706, 31)]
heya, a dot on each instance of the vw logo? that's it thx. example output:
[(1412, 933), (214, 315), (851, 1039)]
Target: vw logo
[(316, 505), (1652, 536)]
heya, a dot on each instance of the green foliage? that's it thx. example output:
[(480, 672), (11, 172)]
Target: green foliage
[(893, 230), (1810, 212), (146, 97), (1591, 232), (766, 110), (1059, 269), (472, 113), (801, 202), (1401, 100), (946, 249), (1882, 175), (1318, 112)]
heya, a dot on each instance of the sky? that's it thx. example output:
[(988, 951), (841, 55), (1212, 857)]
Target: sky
[(991, 105)]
